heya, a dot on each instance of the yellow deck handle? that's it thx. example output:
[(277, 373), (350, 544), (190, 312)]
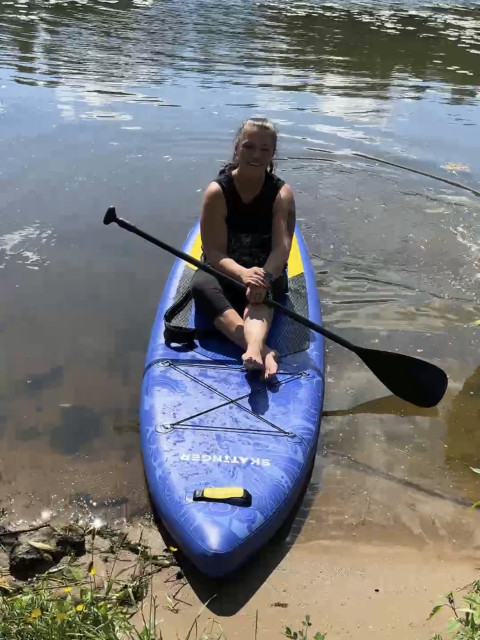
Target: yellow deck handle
[(232, 495)]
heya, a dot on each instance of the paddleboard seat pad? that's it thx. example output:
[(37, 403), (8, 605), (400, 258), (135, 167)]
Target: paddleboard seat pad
[(225, 454)]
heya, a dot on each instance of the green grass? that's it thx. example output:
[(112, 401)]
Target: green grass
[(58, 608), (37, 615), (465, 622), (72, 601), (41, 612)]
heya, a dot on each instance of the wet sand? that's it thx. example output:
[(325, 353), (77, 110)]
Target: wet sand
[(376, 575), (350, 591)]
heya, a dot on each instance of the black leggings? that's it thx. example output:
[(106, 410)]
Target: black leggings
[(213, 297)]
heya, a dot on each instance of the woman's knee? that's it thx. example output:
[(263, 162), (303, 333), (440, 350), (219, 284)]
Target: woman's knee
[(208, 295), (202, 285)]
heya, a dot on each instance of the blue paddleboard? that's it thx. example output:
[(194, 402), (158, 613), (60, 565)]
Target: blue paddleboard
[(226, 456)]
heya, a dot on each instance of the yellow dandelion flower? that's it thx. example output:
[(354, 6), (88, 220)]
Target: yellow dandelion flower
[(67, 589), (173, 549), (80, 607), (61, 617), (93, 571), (36, 613)]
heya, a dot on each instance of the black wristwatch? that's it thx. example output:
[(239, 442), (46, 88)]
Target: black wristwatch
[(269, 276)]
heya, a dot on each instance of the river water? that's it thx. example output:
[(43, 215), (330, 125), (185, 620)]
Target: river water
[(135, 104)]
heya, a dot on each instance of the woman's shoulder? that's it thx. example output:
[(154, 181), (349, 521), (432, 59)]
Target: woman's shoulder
[(214, 199), (213, 190), (285, 191), (224, 176)]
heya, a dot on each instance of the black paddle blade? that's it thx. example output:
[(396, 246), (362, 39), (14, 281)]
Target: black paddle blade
[(416, 381)]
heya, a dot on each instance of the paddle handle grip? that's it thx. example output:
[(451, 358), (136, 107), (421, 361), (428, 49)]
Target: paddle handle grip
[(111, 216)]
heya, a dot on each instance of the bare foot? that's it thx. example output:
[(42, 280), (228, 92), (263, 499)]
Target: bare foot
[(252, 360), (270, 364)]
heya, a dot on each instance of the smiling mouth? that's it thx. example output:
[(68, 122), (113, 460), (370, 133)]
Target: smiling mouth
[(254, 164)]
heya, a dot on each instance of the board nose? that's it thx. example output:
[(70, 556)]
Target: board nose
[(219, 542)]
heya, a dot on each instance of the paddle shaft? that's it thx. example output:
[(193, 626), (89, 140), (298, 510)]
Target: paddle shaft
[(417, 381), (226, 278)]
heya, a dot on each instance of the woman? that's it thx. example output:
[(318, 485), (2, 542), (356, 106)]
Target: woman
[(247, 225)]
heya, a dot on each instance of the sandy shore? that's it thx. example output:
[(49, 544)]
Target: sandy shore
[(350, 591), (367, 555), (372, 573)]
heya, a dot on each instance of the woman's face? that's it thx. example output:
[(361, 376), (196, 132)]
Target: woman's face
[(255, 150)]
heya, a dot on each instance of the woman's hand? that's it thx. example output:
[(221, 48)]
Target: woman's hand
[(255, 277), (256, 295)]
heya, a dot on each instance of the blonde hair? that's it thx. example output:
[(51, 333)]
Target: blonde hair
[(262, 124)]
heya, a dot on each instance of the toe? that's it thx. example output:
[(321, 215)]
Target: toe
[(251, 363)]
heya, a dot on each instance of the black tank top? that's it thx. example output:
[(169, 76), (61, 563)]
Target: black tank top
[(249, 226)]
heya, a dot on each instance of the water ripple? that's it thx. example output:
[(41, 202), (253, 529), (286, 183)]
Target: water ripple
[(154, 44), (25, 246)]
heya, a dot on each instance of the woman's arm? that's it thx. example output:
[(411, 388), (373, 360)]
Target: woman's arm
[(283, 227), (213, 229)]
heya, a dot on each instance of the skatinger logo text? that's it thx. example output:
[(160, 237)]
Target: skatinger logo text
[(205, 457)]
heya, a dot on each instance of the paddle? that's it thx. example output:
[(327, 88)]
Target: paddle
[(411, 379)]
